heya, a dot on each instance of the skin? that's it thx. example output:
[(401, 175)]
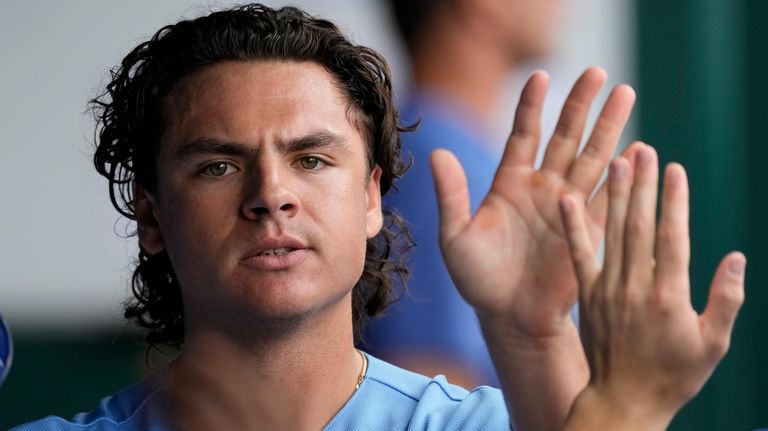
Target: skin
[(523, 291), (650, 352), (523, 29), (243, 168)]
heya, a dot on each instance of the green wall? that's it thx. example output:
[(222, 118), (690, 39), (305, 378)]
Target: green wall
[(702, 69), (65, 375)]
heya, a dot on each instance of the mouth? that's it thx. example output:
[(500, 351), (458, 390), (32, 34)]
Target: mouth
[(276, 251), (275, 254), (277, 259)]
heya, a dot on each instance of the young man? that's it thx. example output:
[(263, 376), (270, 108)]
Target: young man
[(252, 147)]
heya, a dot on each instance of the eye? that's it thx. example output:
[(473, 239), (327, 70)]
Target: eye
[(309, 162), (218, 169)]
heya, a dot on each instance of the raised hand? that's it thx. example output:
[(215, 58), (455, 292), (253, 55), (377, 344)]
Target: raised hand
[(511, 259), (648, 349)]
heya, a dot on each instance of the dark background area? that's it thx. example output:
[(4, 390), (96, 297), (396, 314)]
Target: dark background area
[(703, 86)]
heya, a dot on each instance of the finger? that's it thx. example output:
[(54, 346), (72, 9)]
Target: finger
[(526, 131), (641, 219), (452, 194), (630, 152), (725, 298), (579, 243), (598, 205), (562, 148), (673, 248), (585, 172), (619, 185)]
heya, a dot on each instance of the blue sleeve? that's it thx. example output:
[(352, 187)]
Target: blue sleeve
[(481, 409)]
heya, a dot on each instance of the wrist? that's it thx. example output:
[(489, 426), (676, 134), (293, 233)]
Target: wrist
[(596, 409), (560, 355), (560, 334)]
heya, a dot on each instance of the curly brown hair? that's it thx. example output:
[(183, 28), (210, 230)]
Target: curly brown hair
[(131, 119)]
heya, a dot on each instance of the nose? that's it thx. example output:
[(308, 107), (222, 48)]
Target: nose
[(269, 194)]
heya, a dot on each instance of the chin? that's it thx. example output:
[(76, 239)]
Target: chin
[(293, 301)]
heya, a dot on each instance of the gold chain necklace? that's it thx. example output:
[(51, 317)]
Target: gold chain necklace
[(363, 371), (360, 377)]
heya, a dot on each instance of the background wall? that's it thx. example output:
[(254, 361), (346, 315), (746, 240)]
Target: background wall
[(703, 83)]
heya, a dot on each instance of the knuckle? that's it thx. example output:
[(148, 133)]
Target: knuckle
[(592, 152), (566, 130), (731, 298), (663, 300), (667, 234), (718, 347), (636, 225), (635, 297), (605, 127)]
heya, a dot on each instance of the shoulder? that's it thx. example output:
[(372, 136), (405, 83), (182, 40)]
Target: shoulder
[(444, 122), (133, 408), (395, 399)]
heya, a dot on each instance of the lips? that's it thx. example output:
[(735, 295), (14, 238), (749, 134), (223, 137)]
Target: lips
[(272, 254)]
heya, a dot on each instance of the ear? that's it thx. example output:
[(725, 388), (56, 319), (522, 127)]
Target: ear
[(373, 216), (144, 204)]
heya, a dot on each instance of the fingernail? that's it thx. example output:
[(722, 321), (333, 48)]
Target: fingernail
[(673, 176), (644, 157), (736, 267)]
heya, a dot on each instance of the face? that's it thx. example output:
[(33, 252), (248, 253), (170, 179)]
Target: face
[(264, 199), (526, 28), (532, 24)]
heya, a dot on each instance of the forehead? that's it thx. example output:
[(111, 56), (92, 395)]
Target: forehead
[(258, 101)]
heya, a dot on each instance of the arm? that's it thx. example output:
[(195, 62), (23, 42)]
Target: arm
[(510, 260), (649, 351)]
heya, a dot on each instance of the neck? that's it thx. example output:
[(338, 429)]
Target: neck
[(471, 70), (297, 380)]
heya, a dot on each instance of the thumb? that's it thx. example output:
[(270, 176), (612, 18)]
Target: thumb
[(725, 298), (452, 194)]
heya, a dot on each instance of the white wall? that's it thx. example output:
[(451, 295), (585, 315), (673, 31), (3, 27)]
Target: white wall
[(61, 264)]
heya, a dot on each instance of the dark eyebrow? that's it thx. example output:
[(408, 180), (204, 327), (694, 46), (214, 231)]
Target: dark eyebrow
[(315, 140), (211, 146)]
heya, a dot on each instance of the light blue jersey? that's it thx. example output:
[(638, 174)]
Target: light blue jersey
[(389, 398)]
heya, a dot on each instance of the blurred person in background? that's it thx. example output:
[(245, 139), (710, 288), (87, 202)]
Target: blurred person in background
[(461, 54)]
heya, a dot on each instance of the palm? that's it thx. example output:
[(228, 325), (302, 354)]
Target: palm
[(517, 235), (511, 257)]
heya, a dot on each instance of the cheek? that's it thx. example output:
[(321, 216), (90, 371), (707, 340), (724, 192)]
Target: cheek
[(342, 211), (195, 227)]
